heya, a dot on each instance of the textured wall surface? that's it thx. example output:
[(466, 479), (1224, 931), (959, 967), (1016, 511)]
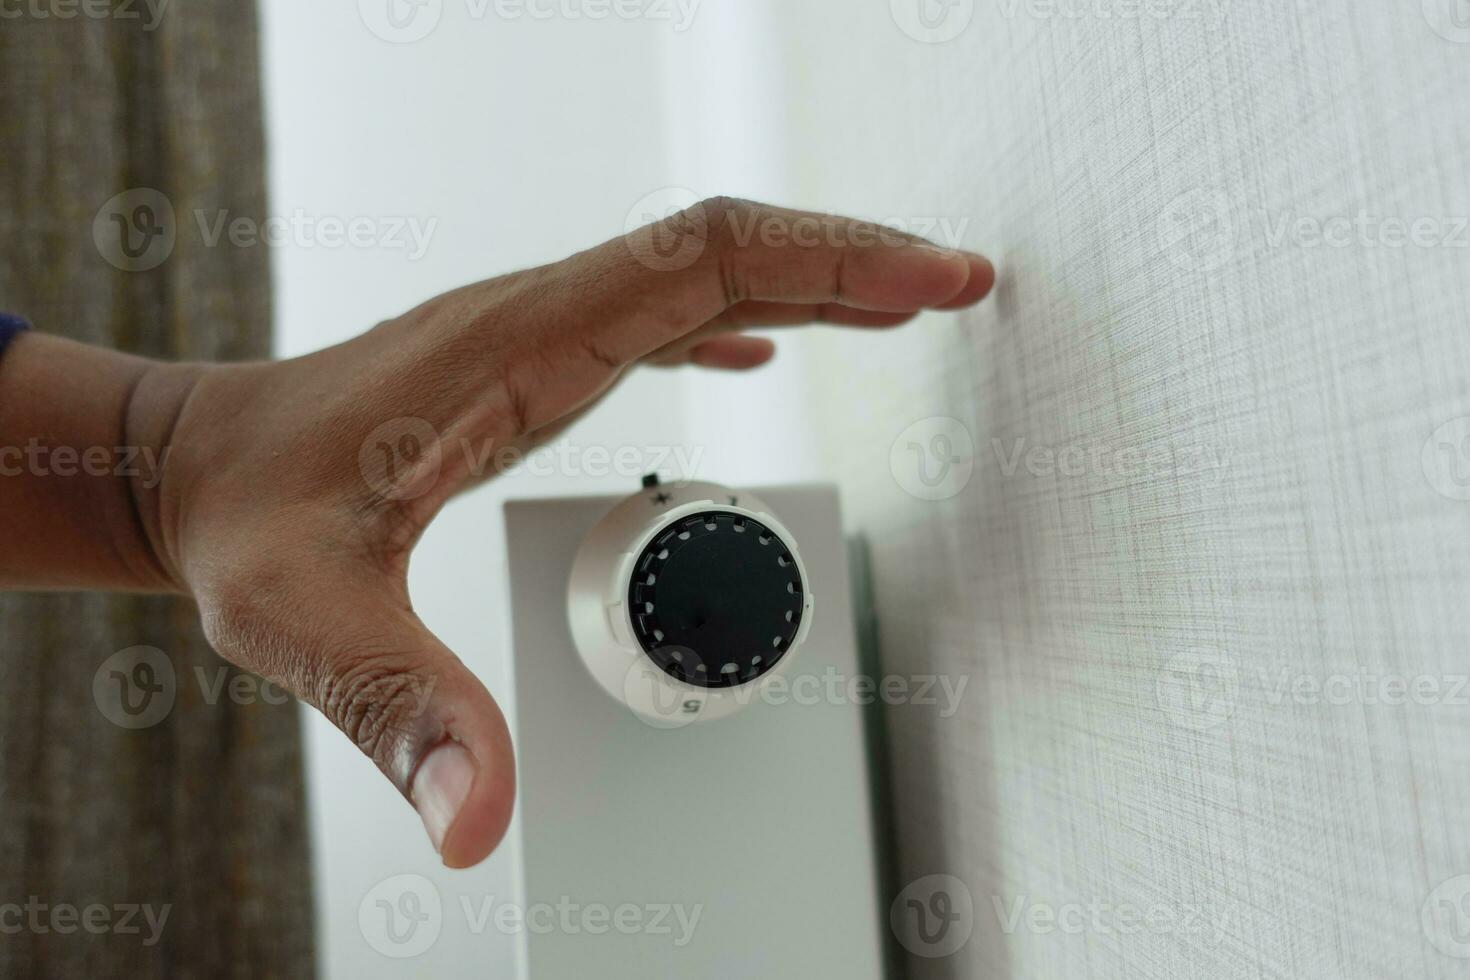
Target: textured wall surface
[(190, 810), (1202, 542)]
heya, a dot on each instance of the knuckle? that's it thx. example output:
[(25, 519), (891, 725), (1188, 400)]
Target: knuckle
[(722, 205), (707, 221), (719, 219), (718, 215), (377, 700)]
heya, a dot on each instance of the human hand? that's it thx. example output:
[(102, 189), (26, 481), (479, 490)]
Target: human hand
[(295, 491)]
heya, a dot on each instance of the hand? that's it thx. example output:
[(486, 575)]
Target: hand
[(295, 491)]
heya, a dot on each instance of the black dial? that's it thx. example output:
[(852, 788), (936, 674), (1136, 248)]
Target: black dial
[(716, 599)]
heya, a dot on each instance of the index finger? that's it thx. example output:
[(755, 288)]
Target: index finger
[(669, 278)]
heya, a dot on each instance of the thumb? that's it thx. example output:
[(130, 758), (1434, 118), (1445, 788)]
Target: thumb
[(376, 672)]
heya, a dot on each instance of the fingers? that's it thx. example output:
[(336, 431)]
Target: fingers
[(664, 281), (733, 352), (982, 280), (755, 313), (521, 352), (364, 660)]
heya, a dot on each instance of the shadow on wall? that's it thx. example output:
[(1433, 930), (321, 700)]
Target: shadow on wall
[(925, 567)]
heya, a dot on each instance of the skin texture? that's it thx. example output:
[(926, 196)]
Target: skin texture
[(287, 497)]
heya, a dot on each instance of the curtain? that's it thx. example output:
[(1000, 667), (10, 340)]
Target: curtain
[(175, 805)]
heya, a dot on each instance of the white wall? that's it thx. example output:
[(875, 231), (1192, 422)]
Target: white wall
[(1148, 637), (524, 140)]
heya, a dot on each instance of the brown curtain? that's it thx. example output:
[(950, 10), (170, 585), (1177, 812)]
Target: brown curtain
[(199, 811)]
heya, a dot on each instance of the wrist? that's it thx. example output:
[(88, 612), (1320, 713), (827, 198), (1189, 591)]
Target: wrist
[(157, 404), (80, 465)]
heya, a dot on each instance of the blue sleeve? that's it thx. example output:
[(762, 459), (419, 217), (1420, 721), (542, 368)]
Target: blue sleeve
[(10, 325)]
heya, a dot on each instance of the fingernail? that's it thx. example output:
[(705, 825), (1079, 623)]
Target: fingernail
[(440, 788)]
